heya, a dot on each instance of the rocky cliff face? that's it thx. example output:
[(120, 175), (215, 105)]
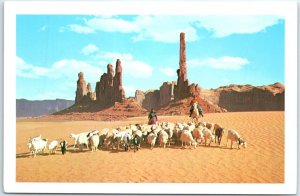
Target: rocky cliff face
[(139, 97), (151, 99), (81, 88), (247, 97), (119, 93), (156, 98), (110, 89), (90, 94), (182, 107), (166, 93)]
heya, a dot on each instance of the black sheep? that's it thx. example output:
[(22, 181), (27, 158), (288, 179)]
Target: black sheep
[(136, 142), (63, 145), (219, 133)]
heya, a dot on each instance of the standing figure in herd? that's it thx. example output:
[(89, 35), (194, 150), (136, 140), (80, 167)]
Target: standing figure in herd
[(195, 109), (152, 117)]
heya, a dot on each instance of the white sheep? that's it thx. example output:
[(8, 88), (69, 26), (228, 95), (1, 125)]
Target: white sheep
[(91, 133), (151, 139), (207, 125), (37, 146), (82, 140), (177, 131), (163, 138), (235, 137), (53, 146), (35, 138), (198, 134), (75, 137), (94, 142), (207, 134), (186, 137), (123, 137), (102, 136), (109, 139)]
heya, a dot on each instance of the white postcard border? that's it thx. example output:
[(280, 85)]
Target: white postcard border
[(286, 9)]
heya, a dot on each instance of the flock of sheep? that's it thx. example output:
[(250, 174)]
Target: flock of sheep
[(133, 136)]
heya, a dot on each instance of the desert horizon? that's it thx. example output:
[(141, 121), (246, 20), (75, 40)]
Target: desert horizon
[(104, 73)]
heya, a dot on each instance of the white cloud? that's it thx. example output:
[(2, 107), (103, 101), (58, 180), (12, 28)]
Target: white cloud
[(167, 28), (113, 56), (229, 25), (225, 62), (43, 28), (77, 28), (137, 69), (89, 49), (70, 68), (24, 69), (67, 69), (109, 24), (131, 67), (157, 28), (168, 71)]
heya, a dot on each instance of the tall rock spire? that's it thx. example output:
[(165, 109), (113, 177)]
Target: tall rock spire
[(81, 88), (181, 90), (119, 93), (182, 57)]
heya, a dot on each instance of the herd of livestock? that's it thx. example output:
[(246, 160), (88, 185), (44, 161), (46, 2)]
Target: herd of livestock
[(134, 135)]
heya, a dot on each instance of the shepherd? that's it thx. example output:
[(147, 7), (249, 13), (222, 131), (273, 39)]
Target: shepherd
[(152, 117), (195, 109)]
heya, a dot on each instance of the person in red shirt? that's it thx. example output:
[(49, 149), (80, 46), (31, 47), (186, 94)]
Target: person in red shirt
[(152, 117), (196, 100)]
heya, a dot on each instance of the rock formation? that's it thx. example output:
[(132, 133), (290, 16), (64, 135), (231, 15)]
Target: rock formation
[(247, 97), (119, 93), (139, 97), (156, 98), (109, 89), (182, 107), (151, 99), (166, 93), (90, 94), (108, 86), (148, 99), (81, 88), (182, 89)]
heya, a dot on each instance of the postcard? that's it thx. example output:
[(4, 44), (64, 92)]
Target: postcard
[(150, 97)]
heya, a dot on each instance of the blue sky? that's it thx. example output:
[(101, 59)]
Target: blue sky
[(220, 50)]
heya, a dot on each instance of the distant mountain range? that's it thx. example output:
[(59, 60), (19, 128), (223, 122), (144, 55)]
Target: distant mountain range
[(27, 108)]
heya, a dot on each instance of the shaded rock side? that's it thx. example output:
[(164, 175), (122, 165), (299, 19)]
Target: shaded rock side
[(151, 99), (182, 107), (90, 94), (156, 98), (166, 93), (139, 97), (247, 97), (118, 111), (81, 90)]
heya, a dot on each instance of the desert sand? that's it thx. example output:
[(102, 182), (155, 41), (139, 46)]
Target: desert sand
[(261, 162)]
